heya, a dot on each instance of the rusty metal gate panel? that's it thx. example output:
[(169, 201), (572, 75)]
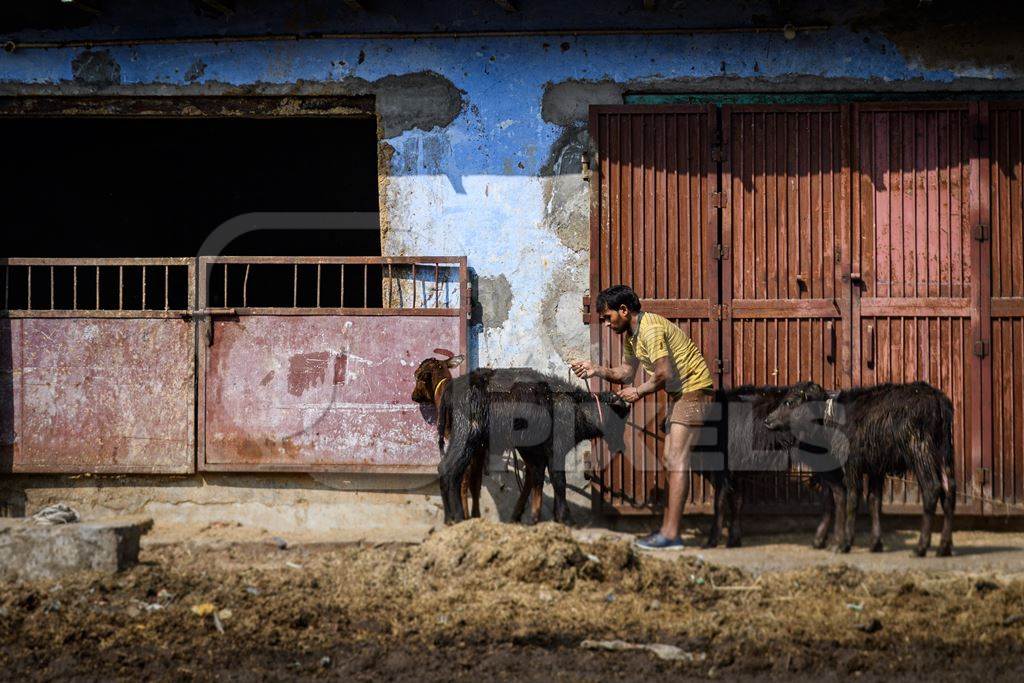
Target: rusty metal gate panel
[(1004, 466), (785, 231), (653, 226), (916, 314), (96, 366), (320, 379)]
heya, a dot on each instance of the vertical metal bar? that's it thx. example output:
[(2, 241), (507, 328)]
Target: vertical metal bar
[(74, 288), (97, 288), (245, 287), (318, 285), (414, 285), (391, 283), (51, 288), (366, 287), (7, 287), (437, 285), (143, 287), (295, 285), (120, 288), (341, 286), (225, 285), (167, 280), (30, 288)]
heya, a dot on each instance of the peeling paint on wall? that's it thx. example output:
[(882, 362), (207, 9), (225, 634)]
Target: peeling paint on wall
[(495, 297), (95, 68)]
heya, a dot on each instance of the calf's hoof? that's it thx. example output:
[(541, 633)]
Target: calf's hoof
[(709, 544), (733, 542), (842, 548), (819, 543), (920, 551), (945, 550), (877, 546)]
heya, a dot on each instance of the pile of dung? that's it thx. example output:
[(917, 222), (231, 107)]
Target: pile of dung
[(480, 549)]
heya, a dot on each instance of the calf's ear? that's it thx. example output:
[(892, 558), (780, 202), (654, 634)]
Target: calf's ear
[(455, 361)]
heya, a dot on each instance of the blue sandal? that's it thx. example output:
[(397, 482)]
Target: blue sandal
[(658, 542)]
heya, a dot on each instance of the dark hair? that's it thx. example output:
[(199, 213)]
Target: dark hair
[(619, 295)]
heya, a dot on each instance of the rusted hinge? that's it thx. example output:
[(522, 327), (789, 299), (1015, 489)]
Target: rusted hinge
[(720, 252), (981, 348), (719, 200), (586, 310), (982, 232), (720, 366), (719, 311)]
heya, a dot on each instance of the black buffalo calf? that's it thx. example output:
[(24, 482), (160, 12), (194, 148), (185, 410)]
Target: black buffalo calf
[(540, 416), (745, 450), (875, 432)]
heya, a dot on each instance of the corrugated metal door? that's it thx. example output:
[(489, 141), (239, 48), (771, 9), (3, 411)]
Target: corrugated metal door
[(651, 210), (915, 313), (860, 244), (785, 226), (1005, 146)]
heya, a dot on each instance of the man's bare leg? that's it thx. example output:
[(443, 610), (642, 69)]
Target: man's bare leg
[(677, 466)]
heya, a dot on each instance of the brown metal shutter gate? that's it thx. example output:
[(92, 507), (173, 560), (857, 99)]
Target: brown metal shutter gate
[(652, 215), (859, 244), (785, 230), (1004, 418)]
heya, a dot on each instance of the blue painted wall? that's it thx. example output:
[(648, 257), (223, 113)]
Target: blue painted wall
[(500, 182)]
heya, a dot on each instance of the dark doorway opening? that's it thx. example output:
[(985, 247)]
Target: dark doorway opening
[(135, 187)]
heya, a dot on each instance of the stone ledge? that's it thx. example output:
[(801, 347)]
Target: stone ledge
[(32, 552)]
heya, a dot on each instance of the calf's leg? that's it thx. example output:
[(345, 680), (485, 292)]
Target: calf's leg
[(718, 517), (838, 489), (876, 483), (853, 489), (735, 539), (524, 494), (474, 477), (828, 504), (948, 497), (452, 470)]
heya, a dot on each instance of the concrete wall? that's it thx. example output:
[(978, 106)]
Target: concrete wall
[(481, 136)]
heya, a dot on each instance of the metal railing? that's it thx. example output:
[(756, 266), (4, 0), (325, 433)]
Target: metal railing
[(354, 285), (97, 287)]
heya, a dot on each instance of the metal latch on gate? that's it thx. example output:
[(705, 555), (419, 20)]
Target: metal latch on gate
[(720, 252), (719, 311), (981, 348), (982, 232), (720, 365), (718, 200), (210, 314)]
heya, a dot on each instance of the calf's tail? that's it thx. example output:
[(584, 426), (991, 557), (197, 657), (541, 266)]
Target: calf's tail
[(946, 450)]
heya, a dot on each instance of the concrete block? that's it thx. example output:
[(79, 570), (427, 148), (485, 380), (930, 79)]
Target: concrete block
[(30, 552)]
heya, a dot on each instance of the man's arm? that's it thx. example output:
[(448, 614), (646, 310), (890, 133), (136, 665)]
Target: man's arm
[(620, 374), (662, 373)]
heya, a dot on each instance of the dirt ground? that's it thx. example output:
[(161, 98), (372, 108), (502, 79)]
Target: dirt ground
[(483, 601)]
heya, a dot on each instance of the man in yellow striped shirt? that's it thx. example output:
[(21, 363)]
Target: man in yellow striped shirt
[(674, 364)]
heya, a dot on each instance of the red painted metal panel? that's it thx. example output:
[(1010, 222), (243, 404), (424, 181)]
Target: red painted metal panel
[(653, 228), (917, 314), (786, 319), (323, 384), (1005, 172), (97, 395), (319, 393)]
